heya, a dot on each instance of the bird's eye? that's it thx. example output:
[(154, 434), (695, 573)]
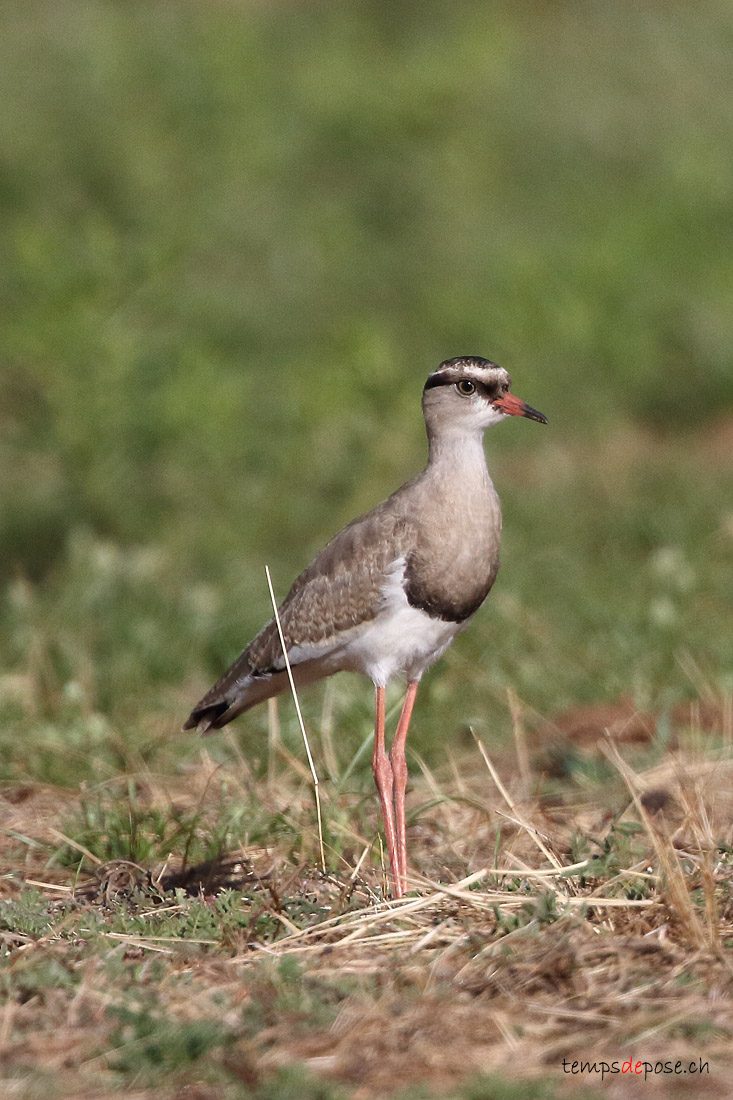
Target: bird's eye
[(466, 387)]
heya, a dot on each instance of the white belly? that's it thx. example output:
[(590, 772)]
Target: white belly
[(401, 639), (405, 640)]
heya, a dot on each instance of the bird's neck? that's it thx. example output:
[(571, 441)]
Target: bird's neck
[(458, 455)]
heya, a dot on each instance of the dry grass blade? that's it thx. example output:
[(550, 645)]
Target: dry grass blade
[(52, 887), (566, 869), (138, 942), (530, 829), (679, 896), (520, 739), (301, 723), (76, 846), (273, 739)]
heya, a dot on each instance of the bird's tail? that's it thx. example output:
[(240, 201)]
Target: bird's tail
[(236, 691)]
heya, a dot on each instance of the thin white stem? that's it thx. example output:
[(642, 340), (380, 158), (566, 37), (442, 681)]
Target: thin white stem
[(300, 717)]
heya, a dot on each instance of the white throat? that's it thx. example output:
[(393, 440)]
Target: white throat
[(459, 453)]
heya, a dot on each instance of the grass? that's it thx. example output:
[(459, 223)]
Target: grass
[(235, 238), (588, 919)]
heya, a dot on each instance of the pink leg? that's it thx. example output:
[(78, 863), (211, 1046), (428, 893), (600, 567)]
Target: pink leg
[(399, 773), (382, 770)]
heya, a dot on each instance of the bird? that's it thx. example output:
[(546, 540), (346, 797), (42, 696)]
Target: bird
[(389, 593)]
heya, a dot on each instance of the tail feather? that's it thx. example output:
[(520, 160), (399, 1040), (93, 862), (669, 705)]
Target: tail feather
[(205, 718), (243, 686), (230, 696), (229, 690)]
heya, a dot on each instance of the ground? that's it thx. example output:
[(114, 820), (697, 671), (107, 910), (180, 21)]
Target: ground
[(551, 922)]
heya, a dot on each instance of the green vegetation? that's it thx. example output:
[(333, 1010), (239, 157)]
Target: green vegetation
[(234, 246), (234, 238)]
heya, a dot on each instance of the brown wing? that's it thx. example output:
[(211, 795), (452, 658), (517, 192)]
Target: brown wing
[(339, 589)]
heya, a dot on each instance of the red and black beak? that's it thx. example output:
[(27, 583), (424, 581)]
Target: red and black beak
[(514, 406)]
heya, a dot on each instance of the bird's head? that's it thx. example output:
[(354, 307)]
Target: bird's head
[(469, 393)]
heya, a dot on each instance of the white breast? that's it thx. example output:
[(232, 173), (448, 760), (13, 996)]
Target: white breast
[(400, 639)]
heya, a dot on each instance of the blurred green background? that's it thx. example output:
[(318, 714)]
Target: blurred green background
[(235, 239)]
